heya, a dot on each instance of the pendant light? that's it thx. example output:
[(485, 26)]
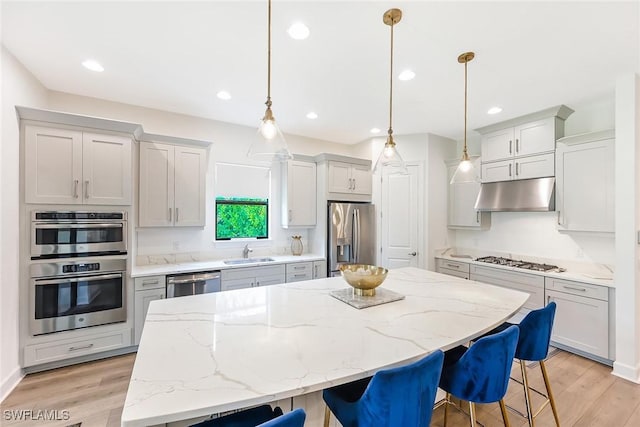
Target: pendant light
[(269, 143), (390, 161), (465, 172)]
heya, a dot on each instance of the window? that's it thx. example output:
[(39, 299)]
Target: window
[(238, 217)]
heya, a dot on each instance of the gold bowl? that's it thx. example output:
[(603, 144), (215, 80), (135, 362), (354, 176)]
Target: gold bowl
[(364, 278)]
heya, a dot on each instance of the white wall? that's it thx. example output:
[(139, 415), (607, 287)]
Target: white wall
[(535, 233), (230, 145), (19, 87)]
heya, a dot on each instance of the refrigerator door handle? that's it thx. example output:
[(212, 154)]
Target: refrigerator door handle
[(356, 239)]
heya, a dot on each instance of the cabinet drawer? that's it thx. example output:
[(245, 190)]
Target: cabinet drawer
[(530, 283), (462, 267), (297, 277), (65, 349), (249, 272), (577, 288), (151, 282), (299, 267), (462, 274)]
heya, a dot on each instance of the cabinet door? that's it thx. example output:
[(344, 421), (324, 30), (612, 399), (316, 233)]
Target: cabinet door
[(534, 166), (156, 185), (535, 137), (269, 280), (497, 145), (462, 200), (190, 168), (581, 323), (497, 171), (585, 186), (142, 301), (339, 177), (233, 284), (53, 165), (106, 169), (319, 269), (361, 179), (300, 209)]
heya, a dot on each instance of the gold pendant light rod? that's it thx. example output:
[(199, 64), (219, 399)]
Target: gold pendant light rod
[(268, 103), (390, 18), (464, 59)]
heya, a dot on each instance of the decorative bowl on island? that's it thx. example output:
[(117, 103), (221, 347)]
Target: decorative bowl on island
[(363, 278)]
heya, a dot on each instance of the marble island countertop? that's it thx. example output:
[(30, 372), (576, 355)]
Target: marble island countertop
[(188, 267), (210, 353), (592, 274)]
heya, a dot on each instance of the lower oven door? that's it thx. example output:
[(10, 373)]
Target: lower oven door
[(60, 304)]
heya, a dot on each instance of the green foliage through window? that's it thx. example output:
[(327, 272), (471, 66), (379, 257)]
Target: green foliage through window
[(238, 217)]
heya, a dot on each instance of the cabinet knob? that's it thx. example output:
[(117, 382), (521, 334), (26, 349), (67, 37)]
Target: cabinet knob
[(414, 253)]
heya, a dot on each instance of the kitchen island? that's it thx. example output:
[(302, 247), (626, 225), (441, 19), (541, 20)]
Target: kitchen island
[(216, 352)]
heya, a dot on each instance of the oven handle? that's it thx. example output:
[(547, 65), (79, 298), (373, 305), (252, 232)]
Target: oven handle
[(76, 225), (79, 279)]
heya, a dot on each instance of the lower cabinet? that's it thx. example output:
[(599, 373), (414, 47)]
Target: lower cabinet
[(240, 278), (147, 289), (299, 271), (319, 269), (452, 268), (74, 347), (582, 316)]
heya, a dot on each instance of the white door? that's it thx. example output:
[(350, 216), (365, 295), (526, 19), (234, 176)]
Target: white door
[(361, 179), (340, 177), (156, 185), (535, 137), (399, 221), (497, 145), (106, 169), (190, 168)]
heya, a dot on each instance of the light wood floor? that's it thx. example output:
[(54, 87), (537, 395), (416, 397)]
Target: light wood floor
[(93, 393)]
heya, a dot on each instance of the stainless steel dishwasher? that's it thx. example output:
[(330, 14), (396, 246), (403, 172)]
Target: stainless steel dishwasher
[(180, 285)]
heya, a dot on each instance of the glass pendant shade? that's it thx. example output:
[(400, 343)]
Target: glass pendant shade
[(389, 161), (466, 171), (269, 143)]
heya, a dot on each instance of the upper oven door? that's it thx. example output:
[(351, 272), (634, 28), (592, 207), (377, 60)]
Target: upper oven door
[(52, 240)]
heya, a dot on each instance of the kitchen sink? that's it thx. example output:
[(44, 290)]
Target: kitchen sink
[(247, 261)]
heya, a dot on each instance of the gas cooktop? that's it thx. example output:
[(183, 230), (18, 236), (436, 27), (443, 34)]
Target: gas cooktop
[(520, 264)]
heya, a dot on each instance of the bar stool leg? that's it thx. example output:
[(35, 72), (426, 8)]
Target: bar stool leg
[(472, 413), (547, 385), (505, 417), (327, 415), (447, 402), (527, 393)]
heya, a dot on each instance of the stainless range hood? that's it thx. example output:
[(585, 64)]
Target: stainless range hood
[(526, 195)]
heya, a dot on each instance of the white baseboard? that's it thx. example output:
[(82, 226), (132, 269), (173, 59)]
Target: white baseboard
[(9, 383), (630, 373)]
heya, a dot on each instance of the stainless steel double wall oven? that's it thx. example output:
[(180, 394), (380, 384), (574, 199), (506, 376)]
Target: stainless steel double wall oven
[(78, 269)]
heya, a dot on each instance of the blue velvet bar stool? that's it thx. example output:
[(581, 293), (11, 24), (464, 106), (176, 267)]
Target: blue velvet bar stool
[(480, 373), (533, 346), (402, 396), (262, 416)]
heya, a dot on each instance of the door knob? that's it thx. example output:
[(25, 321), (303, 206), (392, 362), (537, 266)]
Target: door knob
[(413, 253)]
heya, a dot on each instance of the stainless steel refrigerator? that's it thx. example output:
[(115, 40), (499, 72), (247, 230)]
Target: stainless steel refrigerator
[(351, 236)]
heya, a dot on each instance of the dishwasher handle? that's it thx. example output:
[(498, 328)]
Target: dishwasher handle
[(196, 277)]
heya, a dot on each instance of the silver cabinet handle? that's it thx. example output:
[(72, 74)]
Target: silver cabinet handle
[(177, 214), (354, 183), (290, 214), (478, 217), (75, 188), (548, 299), (509, 169), (517, 145), (510, 146), (82, 347), (516, 168), (150, 282), (86, 189), (574, 289), (453, 265), (315, 271), (170, 215), (413, 253), (299, 275), (298, 268)]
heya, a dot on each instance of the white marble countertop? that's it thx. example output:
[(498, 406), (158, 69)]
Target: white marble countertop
[(188, 267), (594, 278), (215, 352)]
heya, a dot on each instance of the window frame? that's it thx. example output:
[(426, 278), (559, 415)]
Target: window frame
[(263, 202)]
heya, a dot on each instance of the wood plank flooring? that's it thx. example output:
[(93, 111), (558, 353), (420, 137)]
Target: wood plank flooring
[(93, 394)]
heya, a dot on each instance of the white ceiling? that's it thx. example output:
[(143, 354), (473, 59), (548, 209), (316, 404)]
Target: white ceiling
[(176, 56)]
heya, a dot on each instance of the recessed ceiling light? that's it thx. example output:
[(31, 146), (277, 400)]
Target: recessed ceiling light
[(494, 110), (93, 65), (311, 115), (298, 31), (374, 130), (223, 94), (406, 75)]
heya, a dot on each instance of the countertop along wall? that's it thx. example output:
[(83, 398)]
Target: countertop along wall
[(230, 145), (535, 233)]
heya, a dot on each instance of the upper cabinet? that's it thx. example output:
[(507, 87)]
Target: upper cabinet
[(69, 166), (523, 147), (462, 199), (585, 182), (349, 178), (299, 193), (172, 185)]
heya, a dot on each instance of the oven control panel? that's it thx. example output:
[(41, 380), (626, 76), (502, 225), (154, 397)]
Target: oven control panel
[(81, 268)]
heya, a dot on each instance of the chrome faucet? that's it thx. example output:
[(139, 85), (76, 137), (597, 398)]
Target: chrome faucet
[(246, 250)]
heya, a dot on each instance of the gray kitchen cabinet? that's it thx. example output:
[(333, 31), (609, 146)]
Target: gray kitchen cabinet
[(582, 317), (453, 268), (299, 193), (461, 212), (343, 178), (240, 278), (147, 289), (319, 269), (585, 188), (523, 147), (299, 271)]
